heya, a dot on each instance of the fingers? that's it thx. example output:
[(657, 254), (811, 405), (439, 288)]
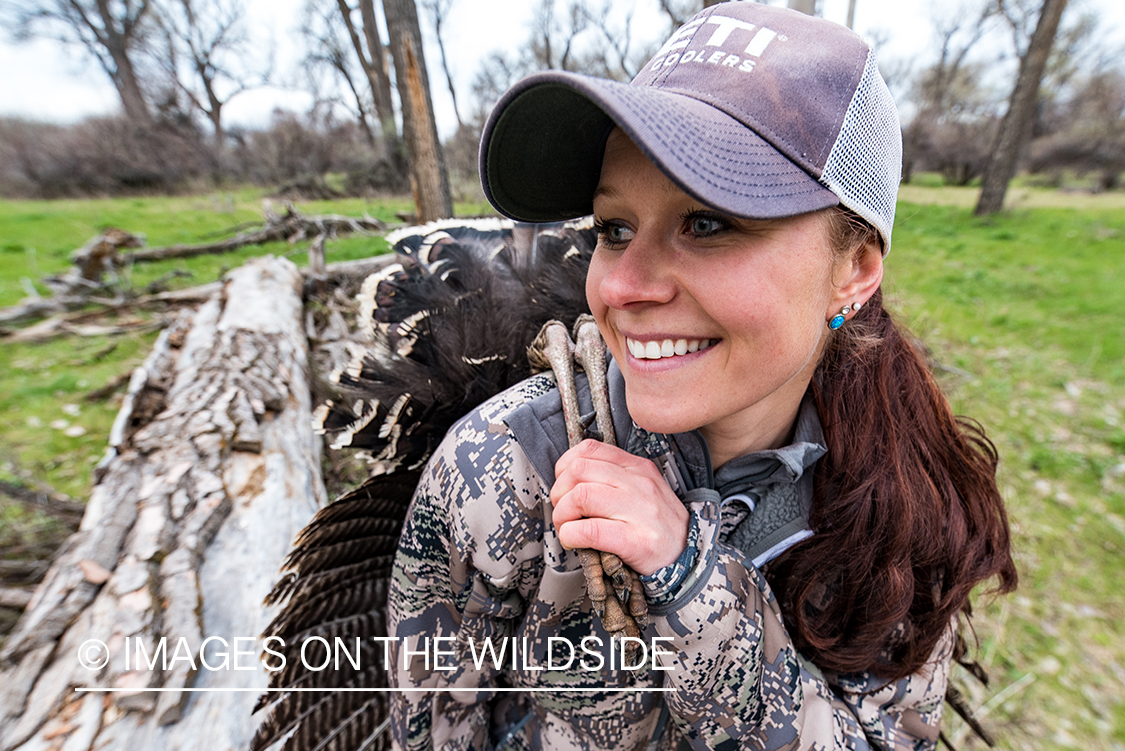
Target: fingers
[(604, 490), (597, 451), (644, 547), (595, 462), (593, 533), (609, 500)]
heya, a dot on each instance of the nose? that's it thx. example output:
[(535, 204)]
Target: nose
[(639, 274)]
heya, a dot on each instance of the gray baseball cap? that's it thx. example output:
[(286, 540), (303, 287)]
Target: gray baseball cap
[(757, 111)]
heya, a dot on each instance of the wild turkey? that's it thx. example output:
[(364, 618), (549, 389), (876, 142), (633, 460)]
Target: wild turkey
[(448, 326)]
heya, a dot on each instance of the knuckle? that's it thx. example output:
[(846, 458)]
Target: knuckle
[(592, 532)]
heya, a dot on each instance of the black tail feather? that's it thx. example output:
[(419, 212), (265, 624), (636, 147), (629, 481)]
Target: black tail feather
[(448, 327)]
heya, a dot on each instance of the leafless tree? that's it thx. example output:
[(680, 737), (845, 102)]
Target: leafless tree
[(614, 52), (206, 55), (496, 75), (111, 32), (429, 178), (330, 51), (1088, 130), (1020, 17), (952, 109), (1015, 128), (554, 34), (679, 11), (439, 12), (1081, 52), (804, 6), (586, 38), (371, 54)]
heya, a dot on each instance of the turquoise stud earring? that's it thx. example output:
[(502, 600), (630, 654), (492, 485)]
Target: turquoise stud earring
[(838, 320)]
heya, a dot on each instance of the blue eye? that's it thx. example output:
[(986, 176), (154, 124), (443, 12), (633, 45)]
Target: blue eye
[(611, 234), (703, 225)]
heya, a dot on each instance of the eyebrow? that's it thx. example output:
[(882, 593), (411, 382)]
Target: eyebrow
[(608, 192)]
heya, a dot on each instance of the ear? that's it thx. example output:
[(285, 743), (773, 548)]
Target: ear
[(856, 278)]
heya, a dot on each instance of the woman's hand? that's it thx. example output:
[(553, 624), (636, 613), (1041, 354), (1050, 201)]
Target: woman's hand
[(607, 499)]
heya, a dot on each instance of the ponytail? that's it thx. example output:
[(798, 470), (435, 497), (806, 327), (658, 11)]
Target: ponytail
[(907, 514)]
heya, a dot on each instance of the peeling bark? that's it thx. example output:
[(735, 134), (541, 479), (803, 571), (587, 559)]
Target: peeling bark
[(211, 471), (428, 175)]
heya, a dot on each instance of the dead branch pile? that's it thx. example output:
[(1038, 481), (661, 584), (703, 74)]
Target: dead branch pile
[(291, 227), (97, 276)]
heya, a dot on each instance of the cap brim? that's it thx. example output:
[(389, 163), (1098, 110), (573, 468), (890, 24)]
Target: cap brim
[(541, 151)]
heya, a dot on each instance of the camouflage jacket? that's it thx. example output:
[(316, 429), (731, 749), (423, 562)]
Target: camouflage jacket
[(485, 599)]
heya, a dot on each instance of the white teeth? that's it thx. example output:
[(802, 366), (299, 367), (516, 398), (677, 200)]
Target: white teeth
[(654, 350)]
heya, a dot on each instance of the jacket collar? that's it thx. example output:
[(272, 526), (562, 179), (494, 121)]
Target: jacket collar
[(785, 464)]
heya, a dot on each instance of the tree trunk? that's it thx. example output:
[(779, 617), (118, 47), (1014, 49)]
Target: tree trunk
[(429, 178), (381, 82), (805, 6), (212, 470), (1015, 128), (124, 76), (373, 60), (851, 14)]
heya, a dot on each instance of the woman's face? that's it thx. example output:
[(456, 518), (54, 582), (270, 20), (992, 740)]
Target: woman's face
[(717, 322)]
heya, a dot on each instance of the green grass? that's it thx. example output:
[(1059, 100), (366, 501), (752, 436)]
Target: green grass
[(1044, 278), (38, 382), (37, 237), (1019, 312), (48, 428)]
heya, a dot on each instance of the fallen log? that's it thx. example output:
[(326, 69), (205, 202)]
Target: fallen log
[(346, 274), (10, 570), (63, 325), (73, 289), (112, 386), (212, 469)]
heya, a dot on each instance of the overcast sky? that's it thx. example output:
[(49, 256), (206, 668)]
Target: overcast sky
[(44, 80)]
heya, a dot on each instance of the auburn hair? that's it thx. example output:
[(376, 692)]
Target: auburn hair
[(907, 514)]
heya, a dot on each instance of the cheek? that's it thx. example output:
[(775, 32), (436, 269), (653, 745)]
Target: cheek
[(593, 289), (781, 320)]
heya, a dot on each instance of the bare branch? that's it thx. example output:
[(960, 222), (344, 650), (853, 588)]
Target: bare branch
[(439, 10), (110, 33), (206, 46)]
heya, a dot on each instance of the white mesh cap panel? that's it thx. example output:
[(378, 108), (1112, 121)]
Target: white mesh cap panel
[(865, 165)]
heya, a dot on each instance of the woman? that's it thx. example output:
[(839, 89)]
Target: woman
[(807, 516)]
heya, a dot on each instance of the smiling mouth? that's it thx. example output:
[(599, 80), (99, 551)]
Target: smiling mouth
[(656, 350)]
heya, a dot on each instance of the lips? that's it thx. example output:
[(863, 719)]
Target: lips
[(656, 349)]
